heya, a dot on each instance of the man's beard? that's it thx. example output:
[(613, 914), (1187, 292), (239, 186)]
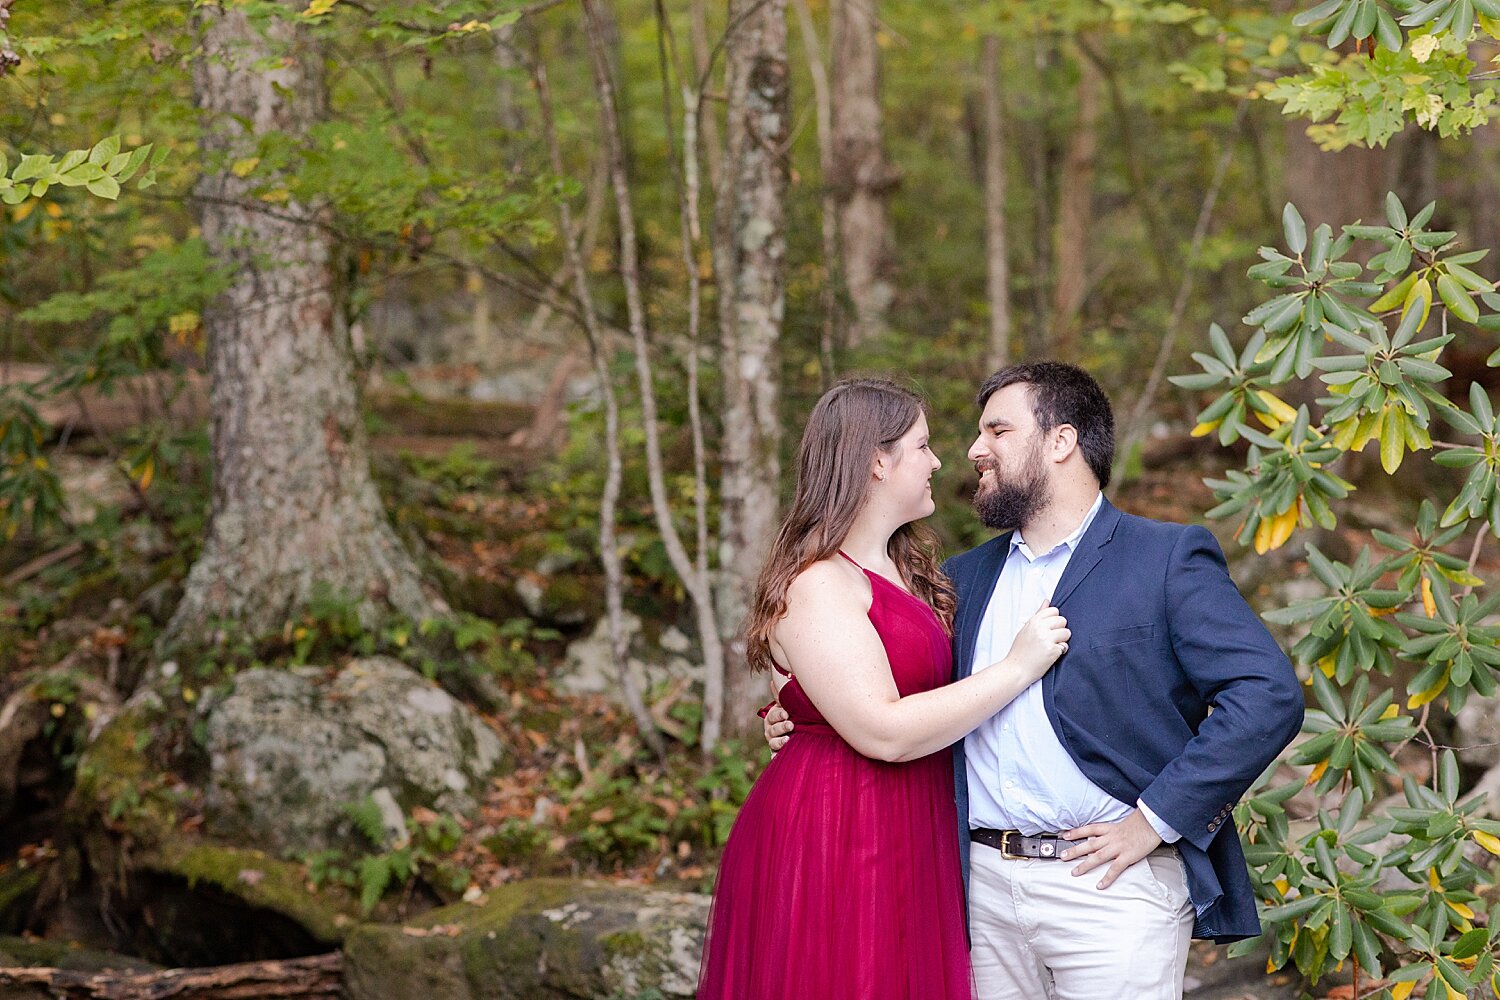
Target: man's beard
[(1013, 502)]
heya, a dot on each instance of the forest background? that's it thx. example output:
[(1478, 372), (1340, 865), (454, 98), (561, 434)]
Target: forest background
[(395, 399)]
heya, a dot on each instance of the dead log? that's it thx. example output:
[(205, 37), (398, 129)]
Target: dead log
[(319, 977)]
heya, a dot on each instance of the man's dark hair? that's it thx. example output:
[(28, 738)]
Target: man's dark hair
[(1064, 394)]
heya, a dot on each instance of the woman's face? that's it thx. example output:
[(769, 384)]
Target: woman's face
[(909, 469)]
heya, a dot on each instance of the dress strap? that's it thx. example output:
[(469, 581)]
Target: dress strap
[(852, 560)]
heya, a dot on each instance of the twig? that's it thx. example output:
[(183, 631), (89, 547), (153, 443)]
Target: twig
[(29, 569)]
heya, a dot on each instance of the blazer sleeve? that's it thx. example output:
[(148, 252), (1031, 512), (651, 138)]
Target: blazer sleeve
[(1237, 668)]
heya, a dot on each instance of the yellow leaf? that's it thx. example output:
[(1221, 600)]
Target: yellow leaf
[(1205, 429), (1329, 664), (1460, 909), (1277, 46), (1401, 991), (243, 168), (1317, 772), (1428, 604), (1263, 536), (1283, 886), (1270, 966), (319, 7), (1433, 880), (1395, 296), (145, 471), (24, 209), (1274, 531), (1423, 697), (1369, 425), (1279, 409), (54, 210), (1421, 291), (1488, 841), (1391, 711)]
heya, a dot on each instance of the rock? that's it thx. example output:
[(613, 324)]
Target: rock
[(541, 939), (290, 749), (589, 664)]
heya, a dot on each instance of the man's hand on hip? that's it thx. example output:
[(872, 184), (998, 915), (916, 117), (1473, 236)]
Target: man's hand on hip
[(1118, 845), (777, 727)]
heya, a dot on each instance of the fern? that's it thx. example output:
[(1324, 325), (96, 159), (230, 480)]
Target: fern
[(367, 819)]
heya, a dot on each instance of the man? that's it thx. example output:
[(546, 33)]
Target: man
[(1127, 758)]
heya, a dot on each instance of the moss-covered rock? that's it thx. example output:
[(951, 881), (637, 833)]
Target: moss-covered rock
[(37, 952), (259, 881), (542, 939)]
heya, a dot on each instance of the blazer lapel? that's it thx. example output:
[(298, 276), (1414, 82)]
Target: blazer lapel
[(974, 598), (1090, 551)]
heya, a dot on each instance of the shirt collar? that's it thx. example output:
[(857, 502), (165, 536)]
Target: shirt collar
[(1016, 542)]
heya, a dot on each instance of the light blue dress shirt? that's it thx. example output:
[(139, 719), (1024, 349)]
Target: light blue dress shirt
[(1020, 776)]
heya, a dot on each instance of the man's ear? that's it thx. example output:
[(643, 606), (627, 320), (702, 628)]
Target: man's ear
[(1064, 441)]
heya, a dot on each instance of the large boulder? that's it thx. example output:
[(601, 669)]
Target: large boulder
[(589, 664), (540, 939), (290, 749)]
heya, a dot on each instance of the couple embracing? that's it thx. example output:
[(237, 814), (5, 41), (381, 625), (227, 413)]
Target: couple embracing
[(1106, 693)]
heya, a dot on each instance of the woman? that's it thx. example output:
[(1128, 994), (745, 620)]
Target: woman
[(841, 876)]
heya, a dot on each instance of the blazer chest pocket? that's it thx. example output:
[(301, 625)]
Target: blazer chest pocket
[(1113, 638)]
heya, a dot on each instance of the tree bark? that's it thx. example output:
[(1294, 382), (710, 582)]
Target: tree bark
[(293, 501), (750, 258), (317, 978), (1041, 162), (829, 335), (863, 177), (997, 270), (1484, 196), (1075, 202), (709, 121)]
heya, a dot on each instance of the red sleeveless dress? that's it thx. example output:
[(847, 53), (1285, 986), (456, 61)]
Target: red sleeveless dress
[(841, 879)]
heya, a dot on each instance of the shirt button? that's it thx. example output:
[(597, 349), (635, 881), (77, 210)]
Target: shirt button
[(1010, 784), (1005, 726)]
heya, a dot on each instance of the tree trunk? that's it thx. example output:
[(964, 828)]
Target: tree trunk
[(862, 176), (316, 978), (750, 256), (293, 502), (1075, 204), (828, 295), (1041, 162), (997, 270), (1484, 196), (708, 121)]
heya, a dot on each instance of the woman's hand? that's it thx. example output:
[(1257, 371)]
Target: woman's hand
[(1040, 642)]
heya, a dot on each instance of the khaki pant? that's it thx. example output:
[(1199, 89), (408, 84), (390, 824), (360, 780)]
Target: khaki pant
[(1040, 932)]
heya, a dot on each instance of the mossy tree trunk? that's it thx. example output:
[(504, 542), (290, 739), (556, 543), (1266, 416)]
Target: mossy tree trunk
[(293, 501)]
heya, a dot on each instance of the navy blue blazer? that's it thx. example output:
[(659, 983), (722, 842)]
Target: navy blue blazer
[(1160, 635)]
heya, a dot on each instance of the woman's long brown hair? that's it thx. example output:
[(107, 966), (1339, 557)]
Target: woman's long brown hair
[(853, 420)]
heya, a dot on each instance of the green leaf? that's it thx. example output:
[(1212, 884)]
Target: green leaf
[(1456, 298), (105, 187), (1293, 226), (1321, 12), (104, 150)]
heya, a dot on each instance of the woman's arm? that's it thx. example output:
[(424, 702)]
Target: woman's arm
[(830, 646)]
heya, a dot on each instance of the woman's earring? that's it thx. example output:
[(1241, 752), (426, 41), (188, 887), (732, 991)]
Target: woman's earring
[(882, 477)]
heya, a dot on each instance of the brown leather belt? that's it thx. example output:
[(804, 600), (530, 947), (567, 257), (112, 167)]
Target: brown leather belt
[(1013, 846)]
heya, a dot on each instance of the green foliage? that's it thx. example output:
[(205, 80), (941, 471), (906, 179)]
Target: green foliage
[(393, 864), (1387, 624), (102, 169)]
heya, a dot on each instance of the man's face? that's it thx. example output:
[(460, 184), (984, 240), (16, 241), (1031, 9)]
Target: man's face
[(1007, 454)]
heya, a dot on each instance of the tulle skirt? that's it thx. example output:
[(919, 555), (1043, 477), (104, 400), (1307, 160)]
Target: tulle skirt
[(840, 880)]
